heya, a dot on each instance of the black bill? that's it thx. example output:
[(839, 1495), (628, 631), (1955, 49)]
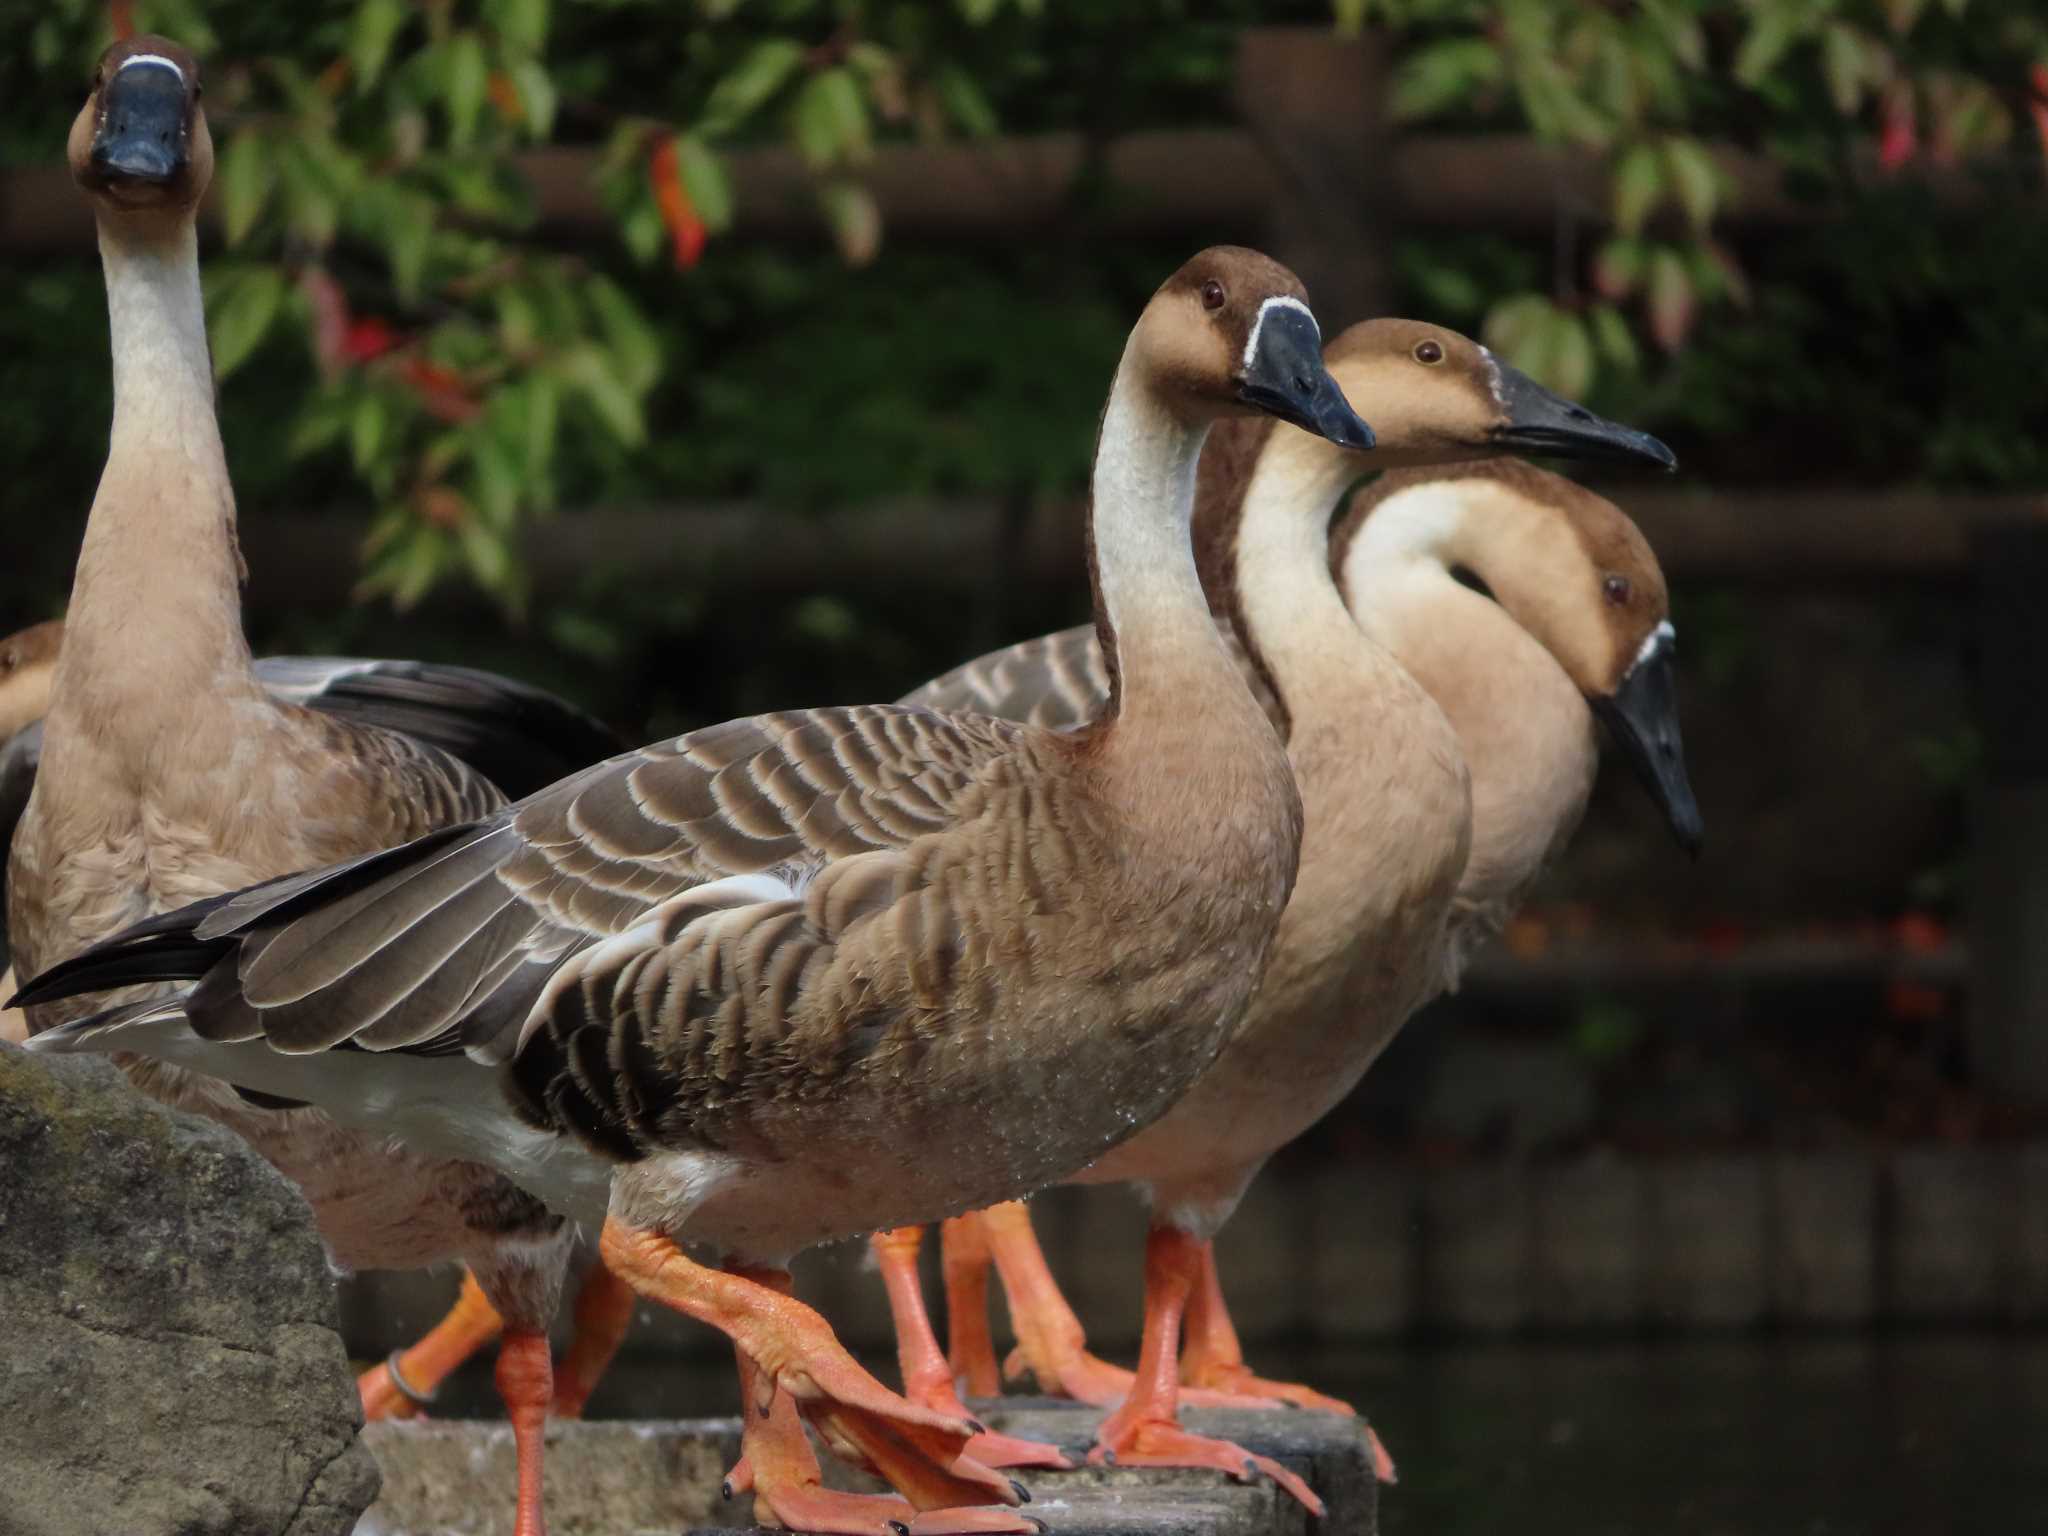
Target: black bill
[(1284, 375), (1642, 714), (142, 132), (1539, 421)]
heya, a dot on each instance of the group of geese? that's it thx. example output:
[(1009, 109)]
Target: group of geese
[(1135, 903)]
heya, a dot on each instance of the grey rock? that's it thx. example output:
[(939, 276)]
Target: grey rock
[(171, 1361), (654, 1478)]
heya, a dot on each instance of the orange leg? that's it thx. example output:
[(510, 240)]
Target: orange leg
[(927, 1379), (964, 1260), (789, 1349), (1050, 1340), (604, 1311), (401, 1385), (526, 1383), (1214, 1359), (1146, 1431)]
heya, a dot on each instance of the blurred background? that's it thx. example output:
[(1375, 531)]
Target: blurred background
[(695, 359)]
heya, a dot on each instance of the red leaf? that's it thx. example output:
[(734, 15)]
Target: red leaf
[(441, 390), (1900, 137), (2037, 103), (367, 338), (331, 328), (685, 229), (121, 17), (505, 97)]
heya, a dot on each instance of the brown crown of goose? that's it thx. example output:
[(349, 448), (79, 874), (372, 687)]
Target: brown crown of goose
[(184, 190), (1580, 577), (1432, 391), (1194, 333)]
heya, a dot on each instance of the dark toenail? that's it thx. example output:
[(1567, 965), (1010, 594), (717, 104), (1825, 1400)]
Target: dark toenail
[(1251, 1470), (1042, 1528), (1109, 1458), (1023, 1493), (899, 1528), (977, 1426)]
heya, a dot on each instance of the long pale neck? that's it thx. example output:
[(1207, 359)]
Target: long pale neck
[(157, 593), (1294, 622), (1168, 666), (1525, 731)]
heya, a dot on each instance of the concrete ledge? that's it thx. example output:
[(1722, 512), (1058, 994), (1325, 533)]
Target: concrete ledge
[(455, 1478)]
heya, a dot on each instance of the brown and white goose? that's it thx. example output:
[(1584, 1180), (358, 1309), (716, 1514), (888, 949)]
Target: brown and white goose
[(1383, 789), (173, 773), (801, 976)]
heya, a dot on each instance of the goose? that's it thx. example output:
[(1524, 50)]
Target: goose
[(797, 977), (1361, 945), (173, 773), (518, 737)]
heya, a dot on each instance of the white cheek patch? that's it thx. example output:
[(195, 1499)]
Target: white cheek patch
[(1282, 301), (1654, 642), (1493, 379), (134, 59)]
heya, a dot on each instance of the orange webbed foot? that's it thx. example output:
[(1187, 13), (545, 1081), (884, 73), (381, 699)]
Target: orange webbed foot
[(786, 1352), (927, 1375), (1147, 1442), (401, 1387), (1075, 1373)]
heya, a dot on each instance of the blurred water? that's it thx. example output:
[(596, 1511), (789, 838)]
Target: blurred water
[(1851, 1436)]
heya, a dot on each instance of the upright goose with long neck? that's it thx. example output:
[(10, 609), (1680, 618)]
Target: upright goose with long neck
[(172, 774), (1383, 786), (800, 976)]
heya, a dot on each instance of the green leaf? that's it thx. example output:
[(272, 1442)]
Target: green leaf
[(1638, 186), (588, 371), (489, 559), (964, 101), (705, 181), (1694, 174), (1775, 29), (1571, 357), (371, 32), (1671, 299), (1841, 58), (241, 319), (1680, 29), (536, 88), (1513, 322), (408, 232), (979, 12), (520, 24), (543, 402), (468, 83), (496, 482), (1612, 337), (1444, 75), (366, 429), (1618, 267), (855, 219), (245, 176), (830, 120), (748, 87), (626, 333)]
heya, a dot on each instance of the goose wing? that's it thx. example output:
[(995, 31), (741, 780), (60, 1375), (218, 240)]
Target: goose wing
[(520, 738), (1055, 682), (643, 943)]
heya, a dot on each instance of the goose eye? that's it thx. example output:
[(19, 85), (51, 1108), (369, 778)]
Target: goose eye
[(1429, 352), (1212, 294), (1615, 589)]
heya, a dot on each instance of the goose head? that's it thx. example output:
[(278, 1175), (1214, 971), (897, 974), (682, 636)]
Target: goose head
[(1571, 569), (28, 666), (1437, 397), (140, 144), (1231, 334)]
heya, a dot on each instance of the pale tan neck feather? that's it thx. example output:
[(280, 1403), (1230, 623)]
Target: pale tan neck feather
[(1175, 686), (1293, 617), (1527, 735), (154, 630)]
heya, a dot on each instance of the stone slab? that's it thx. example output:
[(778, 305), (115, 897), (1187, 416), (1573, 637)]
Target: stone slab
[(656, 1478)]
